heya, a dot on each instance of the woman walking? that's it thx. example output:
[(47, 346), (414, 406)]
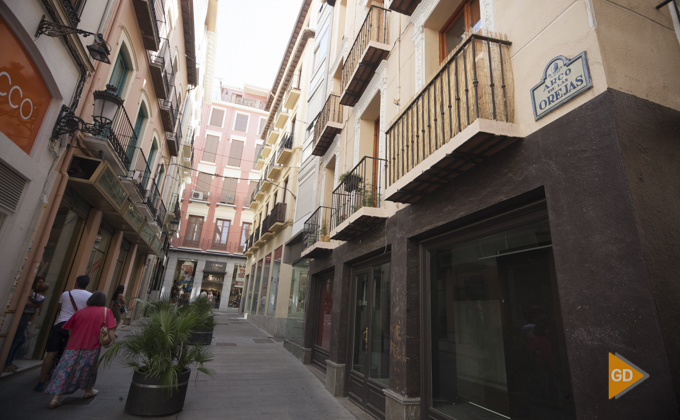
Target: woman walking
[(118, 304), (77, 368)]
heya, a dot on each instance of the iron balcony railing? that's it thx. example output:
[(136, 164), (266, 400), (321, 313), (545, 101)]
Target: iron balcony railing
[(163, 58), (161, 214), (139, 170), (272, 164), (158, 11), (363, 186), (279, 111), (331, 112), (175, 207), (374, 28), (286, 143), (475, 82), (122, 137), (152, 198), (255, 190), (72, 14), (171, 105), (294, 84), (277, 215), (317, 228)]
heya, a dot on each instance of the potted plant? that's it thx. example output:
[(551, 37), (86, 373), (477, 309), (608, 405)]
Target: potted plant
[(324, 233), (370, 196), (351, 181), (161, 355), (203, 310)]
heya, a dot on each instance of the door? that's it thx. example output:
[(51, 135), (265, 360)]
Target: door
[(322, 340), (370, 344)]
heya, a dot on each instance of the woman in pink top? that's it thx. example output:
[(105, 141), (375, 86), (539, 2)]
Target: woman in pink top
[(77, 368)]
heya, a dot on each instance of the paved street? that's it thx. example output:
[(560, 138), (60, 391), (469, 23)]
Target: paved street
[(255, 380)]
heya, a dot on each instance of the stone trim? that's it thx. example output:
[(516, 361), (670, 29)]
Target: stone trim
[(377, 84), (400, 398), (332, 364)]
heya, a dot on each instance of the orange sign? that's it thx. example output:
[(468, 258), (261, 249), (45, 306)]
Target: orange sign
[(623, 376), (24, 97)]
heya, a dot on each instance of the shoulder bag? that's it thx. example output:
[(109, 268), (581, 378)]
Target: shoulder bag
[(104, 338)]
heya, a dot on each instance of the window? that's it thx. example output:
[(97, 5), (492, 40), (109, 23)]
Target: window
[(241, 122), (142, 116), (260, 129), (274, 286), (258, 151), (229, 191), (203, 183), (221, 234), (466, 19), (245, 234), (497, 341), (210, 148), (216, 117), (120, 70), (235, 153), (192, 237)]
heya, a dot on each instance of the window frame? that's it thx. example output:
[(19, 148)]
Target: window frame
[(224, 114), (462, 9), (236, 114), (205, 143), (222, 236)]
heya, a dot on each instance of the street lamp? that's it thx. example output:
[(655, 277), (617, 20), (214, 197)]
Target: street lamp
[(99, 49), (173, 227), (106, 106)]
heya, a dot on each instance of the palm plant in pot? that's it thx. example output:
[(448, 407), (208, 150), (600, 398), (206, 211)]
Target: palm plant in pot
[(161, 354), (203, 310)]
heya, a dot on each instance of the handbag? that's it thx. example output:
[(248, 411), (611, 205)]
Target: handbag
[(104, 338)]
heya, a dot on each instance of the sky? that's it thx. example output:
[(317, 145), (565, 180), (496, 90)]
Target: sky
[(252, 37)]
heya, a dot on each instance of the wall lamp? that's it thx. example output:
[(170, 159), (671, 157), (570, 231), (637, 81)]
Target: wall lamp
[(99, 49), (106, 106)]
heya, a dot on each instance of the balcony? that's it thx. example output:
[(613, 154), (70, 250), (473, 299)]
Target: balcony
[(285, 149), (316, 240), (259, 164), (117, 142), (161, 215), (136, 181), (175, 207), (272, 172), (169, 111), (328, 125), (266, 150), (149, 12), (277, 218), (357, 201), (281, 117), (369, 49), (273, 135), (463, 116), (253, 103), (152, 202), (405, 7), (292, 94), (162, 73), (174, 140)]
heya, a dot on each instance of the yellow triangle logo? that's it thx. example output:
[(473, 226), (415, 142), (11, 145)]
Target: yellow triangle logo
[(623, 375)]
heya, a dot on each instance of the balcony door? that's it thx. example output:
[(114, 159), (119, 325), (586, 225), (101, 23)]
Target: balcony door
[(370, 341), (322, 339)]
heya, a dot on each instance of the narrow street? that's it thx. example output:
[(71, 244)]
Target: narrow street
[(256, 379)]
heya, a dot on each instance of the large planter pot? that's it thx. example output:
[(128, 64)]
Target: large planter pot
[(147, 397), (202, 336)]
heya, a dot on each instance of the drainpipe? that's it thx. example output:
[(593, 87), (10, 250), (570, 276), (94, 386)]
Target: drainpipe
[(35, 256)]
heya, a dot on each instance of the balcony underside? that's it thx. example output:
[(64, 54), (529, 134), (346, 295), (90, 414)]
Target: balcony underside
[(326, 138), (266, 185), (259, 196), (292, 98), (147, 24), (361, 221), (259, 164), (319, 249), (405, 7), (254, 204), (273, 136), (266, 150), (158, 80), (111, 155), (283, 156), (374, 54), (267, 236), (168, 119), (275, 172), (173, 147), (479, 141), (281, 120), (277, 227)]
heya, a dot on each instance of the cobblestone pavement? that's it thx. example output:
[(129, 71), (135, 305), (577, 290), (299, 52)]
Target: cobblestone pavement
[(255, 380)]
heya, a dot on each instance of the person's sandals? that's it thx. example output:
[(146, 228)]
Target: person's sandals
[(91, 394), (55, 403)]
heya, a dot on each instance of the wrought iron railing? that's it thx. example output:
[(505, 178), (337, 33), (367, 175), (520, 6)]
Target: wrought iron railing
[(158, 11), (280, 110), (139, 171), (152, 197), (331, 112), (255, 190), (172, 104), (286, 143), (163, 58), (175, 207), (374, 28), (475, 82), (363, 186), (277, 215), (317, 228), (161, 213), (122, 136), (294, 84)]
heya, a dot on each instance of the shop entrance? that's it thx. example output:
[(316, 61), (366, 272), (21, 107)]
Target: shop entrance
[(322, 340), (368, 372)]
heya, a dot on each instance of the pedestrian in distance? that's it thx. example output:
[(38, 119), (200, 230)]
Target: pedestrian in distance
[(69, 303), (77, 368), (118, 304), (33, 306)]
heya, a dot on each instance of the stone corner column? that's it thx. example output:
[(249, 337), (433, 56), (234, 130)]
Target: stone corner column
[(335, 378), (398, 407)]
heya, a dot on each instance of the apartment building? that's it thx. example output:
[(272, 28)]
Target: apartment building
[(494, 216), (216, 220), (106, 213)]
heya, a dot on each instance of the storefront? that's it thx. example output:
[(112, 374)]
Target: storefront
[(183, 281), (213, 281), (238, 280)]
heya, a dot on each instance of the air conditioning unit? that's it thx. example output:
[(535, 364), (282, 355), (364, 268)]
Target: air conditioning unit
[(196, 195)]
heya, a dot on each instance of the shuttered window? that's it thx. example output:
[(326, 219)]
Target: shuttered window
[(210, 148), (193, 232), (11, 187), (229, 191), (235, 153), (241, 123), (203, 183), (216, 117)]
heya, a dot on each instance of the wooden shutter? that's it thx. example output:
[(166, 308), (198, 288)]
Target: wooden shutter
[(210, 148), (241, 122), (216, 117), (229, 191), (203, 183), (235, 153)]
